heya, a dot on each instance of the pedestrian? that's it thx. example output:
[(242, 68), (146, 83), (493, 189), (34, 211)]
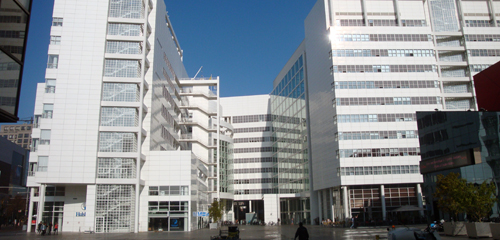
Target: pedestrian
[(352, 221), (44, 228), (39, 229), (49, 228), (56, 228), (301, 233)]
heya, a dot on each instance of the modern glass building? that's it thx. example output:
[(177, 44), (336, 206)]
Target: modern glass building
[(14, 24), (290, 143), (467, 143)]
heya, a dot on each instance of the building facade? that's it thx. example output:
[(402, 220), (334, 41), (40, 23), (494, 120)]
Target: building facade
[(467, 143), (369, 67), (14, 24), (124, 140), (20, 134)]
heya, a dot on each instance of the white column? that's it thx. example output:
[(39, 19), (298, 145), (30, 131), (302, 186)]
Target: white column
[(320, 210), (419, 199), (89, 208), (346, 202), (250, 206), (41, 203), (30, 210), (382, 199)]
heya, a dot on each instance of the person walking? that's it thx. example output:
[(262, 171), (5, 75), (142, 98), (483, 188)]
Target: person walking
[(44, 228), (301, 233), (49, 228), (39, 229), (56, 228)]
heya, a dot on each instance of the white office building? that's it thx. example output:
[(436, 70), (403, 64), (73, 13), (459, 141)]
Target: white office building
[(369, 66), (123, 140)]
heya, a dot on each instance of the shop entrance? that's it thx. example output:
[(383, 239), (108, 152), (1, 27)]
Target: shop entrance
[(158, 224)]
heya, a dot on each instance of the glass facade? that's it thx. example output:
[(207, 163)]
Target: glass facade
[(471, 137), (114, 208), (14, 21), (444, 16), (288, 106)]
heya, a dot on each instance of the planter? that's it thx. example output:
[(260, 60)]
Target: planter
[(495, 230), (478, 229), (213, 225), (454, 228)]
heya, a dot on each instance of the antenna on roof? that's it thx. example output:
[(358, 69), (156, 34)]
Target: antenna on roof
[(197, 72)]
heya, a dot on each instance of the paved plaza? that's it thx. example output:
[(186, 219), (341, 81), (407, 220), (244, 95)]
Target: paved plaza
[(247, 233)]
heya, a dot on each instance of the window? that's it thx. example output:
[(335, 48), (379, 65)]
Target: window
[(119, 117), (52, 62), (119, 47), (43, 162), (153, 191), (126, 9), (120, 92), (117, 142), (57, 22), (44, 137), (123, 29), (47, 110), (55, 40), (122, 68), (120, 168), (50, 86), (55, 191)]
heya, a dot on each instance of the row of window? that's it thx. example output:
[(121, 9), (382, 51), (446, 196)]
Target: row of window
[(382, 38), (381, 68), (380, 22), (387, 101), (390, 117), (10, 19), (377, 152), (167, 206), (254, 139), (117, 168), (12, 34), (255, 180), (379, 170), (484, 52), (365, 135), (265, 149), (9, 66), (8, 128), (482, 38), (254, 160), (265, 118), (267, 170), (127, 9), (255, 191), (479, 67), (479, 23), (385, 84), (252, 129), (382, 53), (9, 83), (168, 190), (8, 101)]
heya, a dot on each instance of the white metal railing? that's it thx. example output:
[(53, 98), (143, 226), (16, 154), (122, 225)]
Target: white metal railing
[(31, 174)]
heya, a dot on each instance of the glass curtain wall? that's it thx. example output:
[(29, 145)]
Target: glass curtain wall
[(290, 147)]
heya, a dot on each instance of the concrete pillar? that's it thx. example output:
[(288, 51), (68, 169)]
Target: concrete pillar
[(331, 204), (347, 207), (249, 206), (382, 199), (41, 203), (30, 210), (419, 199), (320, 210)]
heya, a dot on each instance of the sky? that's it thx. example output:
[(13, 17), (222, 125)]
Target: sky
[(244, 42)]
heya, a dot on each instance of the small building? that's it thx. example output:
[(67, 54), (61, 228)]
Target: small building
[(20, 134), (466, 143)]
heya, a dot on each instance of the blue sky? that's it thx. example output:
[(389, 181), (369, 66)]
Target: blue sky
[(245, 43)]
